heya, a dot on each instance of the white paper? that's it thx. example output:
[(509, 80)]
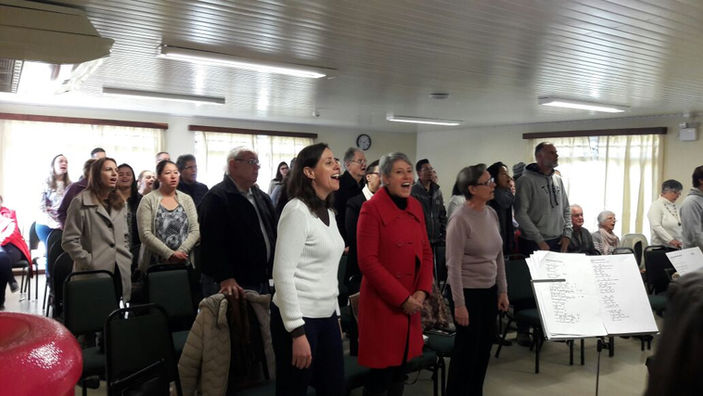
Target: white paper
[(686, 260), (595, 295)]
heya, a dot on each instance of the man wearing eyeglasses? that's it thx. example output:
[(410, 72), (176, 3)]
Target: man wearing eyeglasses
[(350, 184), (188, 169), (237, 230)]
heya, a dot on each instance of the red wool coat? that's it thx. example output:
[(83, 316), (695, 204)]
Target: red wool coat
[(389, 242)]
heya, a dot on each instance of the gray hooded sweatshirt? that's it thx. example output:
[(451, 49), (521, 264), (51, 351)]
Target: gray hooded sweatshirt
[(692, 219), (541, 206)]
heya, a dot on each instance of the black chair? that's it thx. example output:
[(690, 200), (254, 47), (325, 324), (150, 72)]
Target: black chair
[(53, 253), (656, 263), (168, 286), (520, 294), (29, 269), (443, 346), (62, 269), (89, 297), (140, 358), (54, 236)]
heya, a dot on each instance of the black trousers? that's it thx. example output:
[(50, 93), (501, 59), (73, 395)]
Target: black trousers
[(472, 343), (9, 255), (325, 374)]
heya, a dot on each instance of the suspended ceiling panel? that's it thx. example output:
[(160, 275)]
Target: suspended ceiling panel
[(494, 58)]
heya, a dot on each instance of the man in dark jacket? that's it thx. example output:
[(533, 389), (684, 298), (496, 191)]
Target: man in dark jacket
[(237, 230), (581, 239), (428, 193), (188, 169), (350, 184)]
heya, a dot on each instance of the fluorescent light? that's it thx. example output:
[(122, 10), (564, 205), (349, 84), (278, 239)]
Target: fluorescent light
[(163, 95), (421, 120), (217, 59), (581, 105)]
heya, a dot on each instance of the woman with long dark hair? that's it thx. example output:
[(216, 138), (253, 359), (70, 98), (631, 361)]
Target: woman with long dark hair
[(127, 187), (95, 232), (395, 260), (281, 173), (54, 189), (304, 314), (167, 221)]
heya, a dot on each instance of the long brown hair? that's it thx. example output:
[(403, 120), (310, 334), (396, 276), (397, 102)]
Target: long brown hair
[(300, 186), (51, 180), (98, 189)]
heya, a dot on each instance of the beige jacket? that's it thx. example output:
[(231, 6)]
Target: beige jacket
[(97, 240), (146, 217), (204, 363)]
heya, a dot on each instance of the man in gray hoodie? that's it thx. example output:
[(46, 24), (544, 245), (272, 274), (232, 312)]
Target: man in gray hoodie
[(541, 205), (692, 212)]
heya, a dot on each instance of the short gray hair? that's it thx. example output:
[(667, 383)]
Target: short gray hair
[(385, 163), (236, 152), (572, 207), (604, 215), (349, 154), (469, 176)]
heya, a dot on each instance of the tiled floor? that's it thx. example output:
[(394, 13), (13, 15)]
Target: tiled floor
[(513, 373)]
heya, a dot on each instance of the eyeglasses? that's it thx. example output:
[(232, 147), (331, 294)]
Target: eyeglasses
[(372, 173), (193, 167), (360, 162), (487, 182), (253, 161)]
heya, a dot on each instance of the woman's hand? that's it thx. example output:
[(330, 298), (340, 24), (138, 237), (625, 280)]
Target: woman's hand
[(178, 257), (302, 357), (461, 316), (676, 244), (503, 302), (411, 305)]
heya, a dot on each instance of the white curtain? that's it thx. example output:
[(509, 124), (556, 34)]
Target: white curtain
[(27, 147), (211, 149), (617, 173)]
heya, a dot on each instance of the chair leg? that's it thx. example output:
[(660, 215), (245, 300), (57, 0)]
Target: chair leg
[(36, 283), (443, 378), (29, 285), (611, 347), (505, 334), (570, 343), (582, 353), (46, 295)]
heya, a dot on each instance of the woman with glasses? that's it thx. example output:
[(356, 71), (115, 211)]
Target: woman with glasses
[(605, 239), (395, 260), (664, 218), (281, 173), (167, 221), (476, 275)]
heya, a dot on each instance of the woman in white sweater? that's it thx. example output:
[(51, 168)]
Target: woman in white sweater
[(304, 324), (664, 218)]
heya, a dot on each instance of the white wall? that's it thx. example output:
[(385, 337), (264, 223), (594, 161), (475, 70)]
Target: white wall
[(450, 150), (179, 140)]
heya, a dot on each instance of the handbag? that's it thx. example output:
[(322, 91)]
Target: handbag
[(435, 312)]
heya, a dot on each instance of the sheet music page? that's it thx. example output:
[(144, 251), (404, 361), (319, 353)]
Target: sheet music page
[(623, 299), (686, 260), (569, 308)]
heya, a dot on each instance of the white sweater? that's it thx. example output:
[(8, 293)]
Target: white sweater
[(305, 265)]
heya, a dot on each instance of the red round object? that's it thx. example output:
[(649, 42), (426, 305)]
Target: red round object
[(39, 356)]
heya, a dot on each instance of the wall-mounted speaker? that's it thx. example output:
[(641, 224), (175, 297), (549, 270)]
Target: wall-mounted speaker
[(688, 134)]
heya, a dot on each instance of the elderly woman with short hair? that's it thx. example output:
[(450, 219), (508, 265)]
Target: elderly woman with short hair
[(476, 275), (604, 239), (395, 260), (664, 218)]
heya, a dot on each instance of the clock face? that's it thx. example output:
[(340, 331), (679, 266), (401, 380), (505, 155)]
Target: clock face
[(363, 141)]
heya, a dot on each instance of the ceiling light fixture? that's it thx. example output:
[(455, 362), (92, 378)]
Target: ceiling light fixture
[(421, 120), (163, 95), (581, 104), (218, 59)]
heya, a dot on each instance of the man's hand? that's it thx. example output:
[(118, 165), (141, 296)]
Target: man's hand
[(564, 244), (302, 357), (411, 305), (543, 245), (503, 302), (461, 316), (231, 287)]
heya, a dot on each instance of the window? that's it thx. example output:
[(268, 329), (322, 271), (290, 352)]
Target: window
[(211, 149), (27, 147), (616, 173)]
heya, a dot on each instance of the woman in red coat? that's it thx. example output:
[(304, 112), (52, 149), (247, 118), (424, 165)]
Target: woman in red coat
[(12, 249), (396, 262)]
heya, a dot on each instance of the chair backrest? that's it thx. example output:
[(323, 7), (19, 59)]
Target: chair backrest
[(88, 298), (52, 253), (657, 264), (63, 266), (638, 242), (33, 237), (137, 339), (623, 250), (518, 278), (54, 236), (342, 284), (169, 286)]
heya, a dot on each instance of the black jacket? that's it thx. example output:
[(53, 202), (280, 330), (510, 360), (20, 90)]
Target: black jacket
[(348, 188), (231, 240), (435, 214), (351, 219), (196, 191)]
